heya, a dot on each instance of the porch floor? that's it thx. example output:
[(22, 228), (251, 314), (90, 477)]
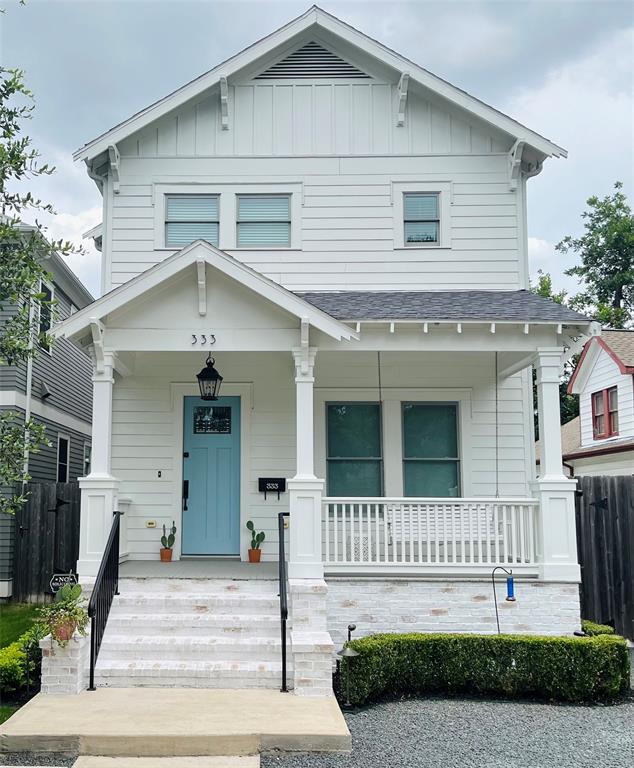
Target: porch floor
[(175, 721), (197, 569)]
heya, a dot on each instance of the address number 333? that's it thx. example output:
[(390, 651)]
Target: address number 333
[(203, 339)]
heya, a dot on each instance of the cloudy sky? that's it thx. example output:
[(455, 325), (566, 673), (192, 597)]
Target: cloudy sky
[(562, 67)]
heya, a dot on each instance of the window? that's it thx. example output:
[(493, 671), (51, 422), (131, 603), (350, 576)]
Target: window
[(431, 465), (214, 420), (63, 454), (87, 458), (189, 218), (421, 218), (354, 454), (45, 320), (605, 413), (264, 221)]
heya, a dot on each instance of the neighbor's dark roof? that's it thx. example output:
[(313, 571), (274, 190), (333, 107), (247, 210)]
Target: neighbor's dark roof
[(489, 306)]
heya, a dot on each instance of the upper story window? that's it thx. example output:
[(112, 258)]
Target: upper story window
[(421, 215), (189, 218), (264, 221), (63, 458), (354, 454), (45, 320), (605, 413)]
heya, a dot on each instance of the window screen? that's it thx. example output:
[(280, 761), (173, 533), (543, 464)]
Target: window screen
[(264, 220), (431, 464), (354, 454), (421, 218), (189, 218)]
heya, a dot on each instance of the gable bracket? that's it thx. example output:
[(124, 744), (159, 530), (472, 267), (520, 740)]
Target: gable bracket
[(113, 159), (224, 103), (402, 98), (201, 279), (96, 331), (515, 164), (303, 346)]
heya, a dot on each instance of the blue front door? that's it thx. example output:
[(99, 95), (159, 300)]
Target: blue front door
[(211, 474)]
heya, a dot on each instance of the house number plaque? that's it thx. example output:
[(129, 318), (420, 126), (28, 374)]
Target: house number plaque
[(203, 339)]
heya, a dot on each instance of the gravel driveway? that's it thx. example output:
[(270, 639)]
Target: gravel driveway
[(452, 733)]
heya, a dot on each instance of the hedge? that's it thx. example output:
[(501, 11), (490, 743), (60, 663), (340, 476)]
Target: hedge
[(591, 628), (13, 659), (575, 669)]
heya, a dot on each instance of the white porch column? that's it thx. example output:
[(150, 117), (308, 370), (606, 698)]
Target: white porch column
[(99, 489), (556, 532), (305, 490)]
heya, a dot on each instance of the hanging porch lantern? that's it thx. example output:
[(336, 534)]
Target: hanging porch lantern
[(209, 380)]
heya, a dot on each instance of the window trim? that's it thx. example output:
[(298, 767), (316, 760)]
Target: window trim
[(263, 221), (457, 460), (63, 436), (380, 459), (166, 221), (51, 288), (444, 191), (607, 421)]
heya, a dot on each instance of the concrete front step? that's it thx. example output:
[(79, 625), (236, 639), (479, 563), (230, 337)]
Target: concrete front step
[(242, 673), (210, 647), (187, 602), (194, 624), (215, 761)]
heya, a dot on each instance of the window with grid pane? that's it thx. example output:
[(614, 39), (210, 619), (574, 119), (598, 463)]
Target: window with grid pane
[(264, 221), (422, 218), (189, 218), (605, 412), (354, 453), (431, 463)]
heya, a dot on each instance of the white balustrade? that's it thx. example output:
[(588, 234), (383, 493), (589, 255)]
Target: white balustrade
[(430, 534)]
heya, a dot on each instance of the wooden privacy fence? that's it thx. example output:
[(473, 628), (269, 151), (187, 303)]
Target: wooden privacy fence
[(605, 541), (46, 539)]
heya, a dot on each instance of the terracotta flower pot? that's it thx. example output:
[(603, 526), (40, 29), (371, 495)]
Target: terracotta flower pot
[(63, 631), (166, 555), (255, 555)]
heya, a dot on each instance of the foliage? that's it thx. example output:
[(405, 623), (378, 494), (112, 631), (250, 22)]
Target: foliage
[(256, 538), (6, 710), (592, 629), (580, 669), (17, 437), (65, 612), (606, 250), (167, 541), (15, 619), (12, 667)]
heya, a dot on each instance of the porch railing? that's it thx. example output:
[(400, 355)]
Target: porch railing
[(436, 534)]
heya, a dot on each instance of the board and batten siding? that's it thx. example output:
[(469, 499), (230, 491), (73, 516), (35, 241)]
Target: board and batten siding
[(143, 437), (605, 374)]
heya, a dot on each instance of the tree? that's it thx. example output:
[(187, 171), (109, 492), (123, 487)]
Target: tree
[(606, 250), (22, 251)]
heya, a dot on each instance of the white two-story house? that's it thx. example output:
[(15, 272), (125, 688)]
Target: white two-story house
[(344, 233)]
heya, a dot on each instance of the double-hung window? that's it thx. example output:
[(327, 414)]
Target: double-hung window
[(605, 413), (189, 218), (421, 214), (431, 463), (264, 221), (45, 320), (63, 458), (354, 452)]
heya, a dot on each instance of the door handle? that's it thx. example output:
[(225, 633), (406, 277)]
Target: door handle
[(185, 494)]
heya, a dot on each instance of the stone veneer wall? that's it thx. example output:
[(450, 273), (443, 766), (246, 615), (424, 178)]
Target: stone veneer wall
[(410, 605)]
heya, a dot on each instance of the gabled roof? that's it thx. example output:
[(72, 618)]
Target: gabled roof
[(315, 19), (619, 345), (488, 306), (78, 323)]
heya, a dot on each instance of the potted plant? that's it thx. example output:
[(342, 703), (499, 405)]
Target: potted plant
[(256, 539), (167, 541), (65, 615)]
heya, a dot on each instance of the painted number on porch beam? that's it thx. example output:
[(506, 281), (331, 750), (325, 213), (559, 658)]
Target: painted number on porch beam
[(203, 339)]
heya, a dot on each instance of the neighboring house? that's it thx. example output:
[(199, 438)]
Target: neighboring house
[(55, 388), (600, 441), (346, 234)]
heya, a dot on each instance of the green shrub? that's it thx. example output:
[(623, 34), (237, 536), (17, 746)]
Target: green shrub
[(580, 669), (592, 628), (12, 668)]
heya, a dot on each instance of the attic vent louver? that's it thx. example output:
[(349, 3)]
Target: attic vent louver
[(311, 61)]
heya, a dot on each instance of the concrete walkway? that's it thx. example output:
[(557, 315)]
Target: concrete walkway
[(175, 721)]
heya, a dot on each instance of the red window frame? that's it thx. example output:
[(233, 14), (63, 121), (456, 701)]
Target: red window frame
[(608, 415)]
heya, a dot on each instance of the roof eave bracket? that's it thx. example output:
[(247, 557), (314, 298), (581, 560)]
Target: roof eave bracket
[(515, 164), (201, 275), (224, 103), (114, 160), (403, 84)]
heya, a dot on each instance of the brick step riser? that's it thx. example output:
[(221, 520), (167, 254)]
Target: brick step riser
[(135, 627), (196, 605), (197, 586), (178, 655), (189, 682)]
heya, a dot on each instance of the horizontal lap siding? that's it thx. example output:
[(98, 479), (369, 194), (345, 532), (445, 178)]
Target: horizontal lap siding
[(347, 222)]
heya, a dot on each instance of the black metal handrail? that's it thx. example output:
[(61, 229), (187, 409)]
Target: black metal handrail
[(106, 587), (283, 592)]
